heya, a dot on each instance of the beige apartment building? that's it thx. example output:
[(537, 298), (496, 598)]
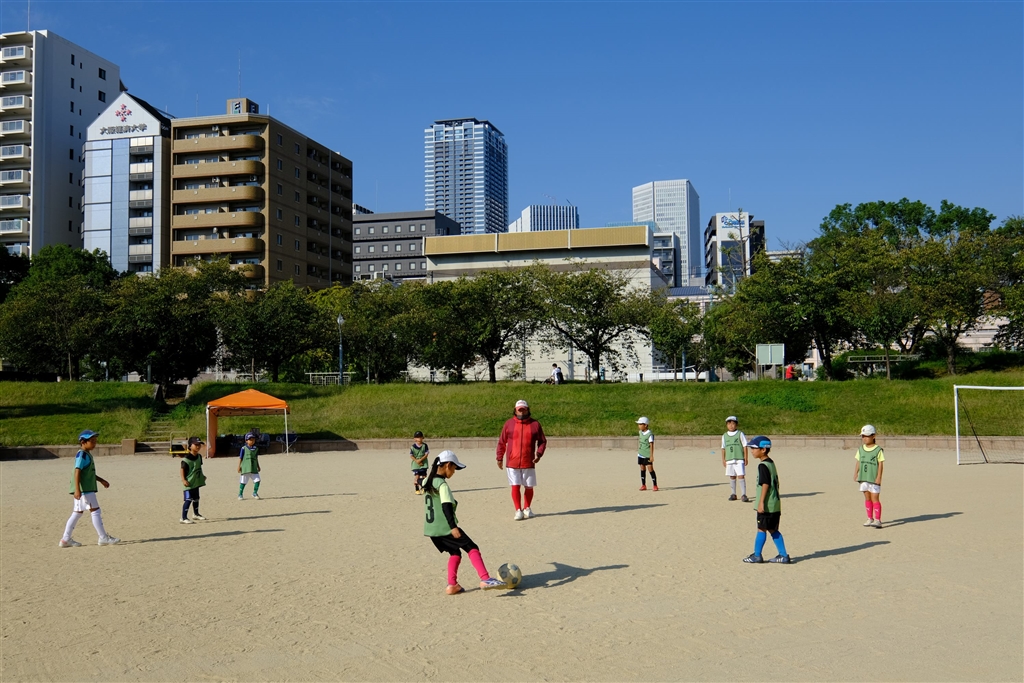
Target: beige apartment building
[(247, 187)]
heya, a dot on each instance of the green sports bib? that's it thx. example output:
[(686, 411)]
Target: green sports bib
[(643, 446), (772, 503), (194, 472), (434, 522), (733, 446), (868, 464)]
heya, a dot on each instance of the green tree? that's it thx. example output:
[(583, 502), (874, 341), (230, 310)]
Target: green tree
[(13, 269), (505, 310), (674, 328), (446, 313), (1010, 281)]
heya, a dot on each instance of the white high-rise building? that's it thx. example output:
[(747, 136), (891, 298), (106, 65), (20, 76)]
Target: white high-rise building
[(50, 91), (546, 217), (730, 242), (674, 206), (466, 174)]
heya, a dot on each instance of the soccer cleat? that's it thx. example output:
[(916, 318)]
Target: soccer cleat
[(256, 496), (528, 513), (745, 499), (519, 515), (454, 589), (870, 522), (199, 517), (491, 584), (185, 520), (732, 497), (781, 559), (70, 543), (644, 487), (655, 488), (877, 524), (109, 540), (753, 559), (240, 497)]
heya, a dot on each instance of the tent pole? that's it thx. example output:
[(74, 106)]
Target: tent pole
[(285, 430), (211, 446)]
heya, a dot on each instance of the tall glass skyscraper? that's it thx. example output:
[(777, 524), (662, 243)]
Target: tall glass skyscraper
[(674, 206), (466, 174)]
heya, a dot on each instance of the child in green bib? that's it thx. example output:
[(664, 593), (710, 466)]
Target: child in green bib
[(249, 467), (192, 478), (442, 527), (83, 487), (645, 453), (769, 507), (418, 454), (870, 463)]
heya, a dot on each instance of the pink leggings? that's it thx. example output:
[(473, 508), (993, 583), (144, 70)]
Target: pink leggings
[(478, 564)]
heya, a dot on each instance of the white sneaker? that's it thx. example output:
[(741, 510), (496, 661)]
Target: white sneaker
[(185, 521), (72, 543), (109, 540), (528, 513), (519, 515), (877, 524), (241, 497), (199, 518), (870, 522), (256, 496)]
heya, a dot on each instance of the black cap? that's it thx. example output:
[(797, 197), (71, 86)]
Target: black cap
[(195, 440), (418, 435)]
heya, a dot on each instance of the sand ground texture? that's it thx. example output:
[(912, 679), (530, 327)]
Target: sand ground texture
[(329, 578)]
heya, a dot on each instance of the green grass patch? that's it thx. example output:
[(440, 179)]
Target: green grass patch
[(35, 413)]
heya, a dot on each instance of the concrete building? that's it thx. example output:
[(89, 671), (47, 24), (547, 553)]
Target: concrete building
[(248, 187), (674, 206), (466, 174), (779, 254), (127, 183), (50, 91), (625, 250), (538, 217), (730, 242), (390, 245)]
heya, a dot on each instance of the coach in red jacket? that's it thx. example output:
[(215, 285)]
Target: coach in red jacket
[(520, 447)]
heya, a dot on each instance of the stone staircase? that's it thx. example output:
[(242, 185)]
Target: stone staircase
[(157, 438)]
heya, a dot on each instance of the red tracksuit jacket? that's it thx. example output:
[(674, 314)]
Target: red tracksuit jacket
[(522, 443)]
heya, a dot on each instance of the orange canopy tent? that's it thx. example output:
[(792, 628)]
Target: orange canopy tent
[(248, 402)]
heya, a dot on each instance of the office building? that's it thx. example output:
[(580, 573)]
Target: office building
[(127, 183), (674, 206), (539, 217), (273, 201), (730, 242), (467, 174), (50, 91), (390, 245)]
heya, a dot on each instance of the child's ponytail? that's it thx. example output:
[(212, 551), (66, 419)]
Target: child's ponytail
[(428, 483)]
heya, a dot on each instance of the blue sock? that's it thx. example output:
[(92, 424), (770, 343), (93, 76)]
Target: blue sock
[(780, 544), (759, 542)]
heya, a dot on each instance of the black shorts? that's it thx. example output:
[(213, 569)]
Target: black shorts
[(643, 461), (769, 521), (192, 494), (454, 546), (420, 473)]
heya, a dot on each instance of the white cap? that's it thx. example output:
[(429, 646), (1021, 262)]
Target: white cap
[(867, 430), (643, 421), (449, 456), (731, 418), (522, 404)]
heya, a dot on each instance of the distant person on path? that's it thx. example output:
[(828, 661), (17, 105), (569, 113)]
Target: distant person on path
[(870, 463), (769, 507), (556, 374), (520, 447), (418, 454), (249, 467), (645, 454), (734, 457), (442, 526), (192, 478), (83, 488)]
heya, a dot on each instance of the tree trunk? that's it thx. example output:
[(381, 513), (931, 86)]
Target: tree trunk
[(492, 371), (951, 357), (274, 371), (888, 371), (595, 363), (826, 357)]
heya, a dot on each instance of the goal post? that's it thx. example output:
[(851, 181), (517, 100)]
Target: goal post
[(989, 424)]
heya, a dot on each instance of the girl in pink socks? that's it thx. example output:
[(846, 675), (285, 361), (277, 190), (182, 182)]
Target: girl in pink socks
[(870, 464), (441, 525)]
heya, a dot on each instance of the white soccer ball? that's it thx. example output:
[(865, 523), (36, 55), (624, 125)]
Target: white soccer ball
[(510, 574)]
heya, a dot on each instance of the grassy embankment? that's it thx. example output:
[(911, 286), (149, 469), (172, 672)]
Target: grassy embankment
[(54, 413)]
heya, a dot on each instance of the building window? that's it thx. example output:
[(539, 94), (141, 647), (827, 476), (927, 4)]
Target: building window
[(412, 266), (369, 231), (280, 214), (398, 228), (384, 230), (298, 222), (103, 74), (384, 267), (71, 178), (280, 164), (423, 265), (298, 150), (70, 203), (370, 268), (370, 249), (384, 248), (280, 189), (423, 228), (71, 154), (412, 247), (398, 266), (72, 107), (359, 250), (72, 58), (280, 139), (359, 269), (298, 245), (72, 131), (357, 230), (103, 96), (280, 241), (280, 264), (297, 271), (398, 247), (298, 173), (72, 84), (298, 197)]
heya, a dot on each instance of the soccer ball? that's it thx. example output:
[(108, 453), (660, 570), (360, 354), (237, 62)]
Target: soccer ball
[(510, 574)]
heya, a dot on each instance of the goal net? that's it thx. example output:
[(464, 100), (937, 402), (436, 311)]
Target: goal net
[(989, 424)]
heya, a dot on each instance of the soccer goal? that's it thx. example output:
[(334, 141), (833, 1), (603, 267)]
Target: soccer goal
[(989, 424)]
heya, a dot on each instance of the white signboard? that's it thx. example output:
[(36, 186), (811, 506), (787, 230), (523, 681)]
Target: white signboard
[(771, 354)]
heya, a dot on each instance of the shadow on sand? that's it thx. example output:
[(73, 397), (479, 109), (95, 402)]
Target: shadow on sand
[(312, 495), (559, 576), (695, 486), (838, 551), (800, 495), (489, 488), (920, 518), (217, 534), (611, 508), (282, 514)]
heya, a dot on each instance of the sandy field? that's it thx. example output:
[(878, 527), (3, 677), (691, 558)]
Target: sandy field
[(329, 578)]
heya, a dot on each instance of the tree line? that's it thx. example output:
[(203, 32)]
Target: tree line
[(880, 275)]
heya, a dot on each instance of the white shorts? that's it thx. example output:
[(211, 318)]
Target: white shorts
[(522, 477), (86, 500), (735, 468), (870, 488), (251, 476)]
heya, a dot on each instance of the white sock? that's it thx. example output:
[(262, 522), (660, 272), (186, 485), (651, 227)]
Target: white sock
[(70, 527), (97, 522), (743, 486), (732, 484)]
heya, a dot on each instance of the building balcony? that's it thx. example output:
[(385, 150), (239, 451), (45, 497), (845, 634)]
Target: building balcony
[(140, 222), (141, 149), (16, 178), (15, 202), (236, 245), (141, 250), (219, 194), (218, 168), (252, 271), (222, 143), (140, 232), (19, 128), (19, 79), (17, 249), (140, 258), (222, 219), (15, 152), (14, 104), (14, 226), (16, 54)]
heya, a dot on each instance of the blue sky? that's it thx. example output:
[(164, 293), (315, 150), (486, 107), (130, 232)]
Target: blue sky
[(784, 109)]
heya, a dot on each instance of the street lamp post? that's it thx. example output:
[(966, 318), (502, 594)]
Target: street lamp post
[(341, 364)]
